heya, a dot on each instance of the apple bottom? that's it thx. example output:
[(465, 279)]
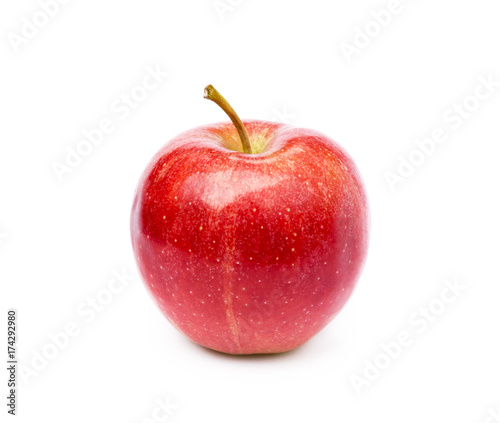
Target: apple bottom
[(240, 308)]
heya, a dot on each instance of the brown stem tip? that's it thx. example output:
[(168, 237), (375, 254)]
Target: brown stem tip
[(212, 94)]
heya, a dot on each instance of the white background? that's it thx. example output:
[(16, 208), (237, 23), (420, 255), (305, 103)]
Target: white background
[(61, 239)]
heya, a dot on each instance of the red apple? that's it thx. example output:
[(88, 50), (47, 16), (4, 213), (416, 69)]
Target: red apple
[(250, 236)]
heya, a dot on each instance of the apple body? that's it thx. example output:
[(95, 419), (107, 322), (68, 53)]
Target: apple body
[(250, 253)]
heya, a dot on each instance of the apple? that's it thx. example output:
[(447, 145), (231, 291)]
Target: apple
[(251, 235)]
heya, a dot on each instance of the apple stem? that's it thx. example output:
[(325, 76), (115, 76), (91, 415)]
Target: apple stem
[(212, 94)]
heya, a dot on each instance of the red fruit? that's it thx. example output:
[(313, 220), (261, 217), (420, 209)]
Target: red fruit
[(250, 253)]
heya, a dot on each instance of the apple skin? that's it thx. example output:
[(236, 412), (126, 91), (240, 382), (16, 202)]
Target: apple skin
[(250, 253)]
